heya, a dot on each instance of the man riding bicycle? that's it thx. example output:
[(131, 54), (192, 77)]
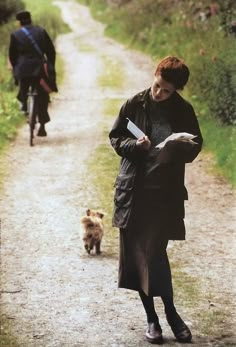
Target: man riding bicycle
[(26, 61)]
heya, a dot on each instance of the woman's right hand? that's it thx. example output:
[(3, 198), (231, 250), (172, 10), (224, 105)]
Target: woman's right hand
[(143, 143)]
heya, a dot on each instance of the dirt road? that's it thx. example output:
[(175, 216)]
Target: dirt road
[(53, 294)]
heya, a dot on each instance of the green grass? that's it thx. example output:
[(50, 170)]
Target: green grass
[(6, 336), (47, 15), (106, 168), (60, 69), (112, 74), (187, 286), (10, 118), (212, 320), (111, 107), (219, 140), (212, 315), (85, 47)]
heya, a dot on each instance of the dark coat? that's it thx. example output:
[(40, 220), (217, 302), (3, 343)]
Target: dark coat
[(24, 58), (182, 118)]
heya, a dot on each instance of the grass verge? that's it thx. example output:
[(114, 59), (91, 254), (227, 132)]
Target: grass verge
[(10, 118), (219, 140), (113, 74), (52, 21), (7, 338), (213, 320)]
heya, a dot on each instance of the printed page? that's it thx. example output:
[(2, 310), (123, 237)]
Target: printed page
[(177, 136)]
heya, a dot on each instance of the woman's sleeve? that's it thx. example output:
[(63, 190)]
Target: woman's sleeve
[(183, 151), (123, 142)]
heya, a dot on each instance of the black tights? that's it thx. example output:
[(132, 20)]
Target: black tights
[(148, 304)]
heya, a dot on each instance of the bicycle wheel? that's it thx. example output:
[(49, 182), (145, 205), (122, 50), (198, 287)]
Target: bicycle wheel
[(32, 115)]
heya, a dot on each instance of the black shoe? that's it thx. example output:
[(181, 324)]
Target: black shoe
[(42, 131), (154, 333), (179, 328)]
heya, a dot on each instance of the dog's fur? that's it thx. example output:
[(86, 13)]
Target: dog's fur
[(92, 230)]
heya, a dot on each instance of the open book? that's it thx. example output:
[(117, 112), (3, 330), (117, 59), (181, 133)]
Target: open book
[(178, 136)]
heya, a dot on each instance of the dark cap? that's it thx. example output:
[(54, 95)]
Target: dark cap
[(23, 16)]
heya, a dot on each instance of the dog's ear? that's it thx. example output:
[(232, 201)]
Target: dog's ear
[(99, 214), (88, 212)]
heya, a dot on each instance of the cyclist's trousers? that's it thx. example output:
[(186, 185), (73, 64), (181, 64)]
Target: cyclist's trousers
[(43, 98)]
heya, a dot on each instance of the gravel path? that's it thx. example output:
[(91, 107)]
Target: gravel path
[(53, 294)]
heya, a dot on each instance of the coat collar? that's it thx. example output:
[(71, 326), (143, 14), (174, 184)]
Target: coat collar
[(143, 97)]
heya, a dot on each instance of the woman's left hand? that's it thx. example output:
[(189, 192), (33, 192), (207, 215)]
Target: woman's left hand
[(143, 143)]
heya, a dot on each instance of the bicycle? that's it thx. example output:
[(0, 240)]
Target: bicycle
[(32, 112)]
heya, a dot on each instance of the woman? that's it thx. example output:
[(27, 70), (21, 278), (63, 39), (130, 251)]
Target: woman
[(150, 191)]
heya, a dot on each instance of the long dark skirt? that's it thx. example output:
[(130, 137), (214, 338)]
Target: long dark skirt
[(143, 262)]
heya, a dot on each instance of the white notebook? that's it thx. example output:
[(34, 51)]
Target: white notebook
[(138, 133)]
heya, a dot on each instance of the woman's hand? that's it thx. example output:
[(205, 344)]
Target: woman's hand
[(143, 143)]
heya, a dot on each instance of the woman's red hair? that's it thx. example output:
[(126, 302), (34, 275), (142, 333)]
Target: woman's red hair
[(173, 70)]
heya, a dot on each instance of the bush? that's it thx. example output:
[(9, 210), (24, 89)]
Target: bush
[(217, 88), (9, 8), (212, 61)]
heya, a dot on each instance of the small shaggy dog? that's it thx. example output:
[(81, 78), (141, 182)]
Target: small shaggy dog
[(92, 230)]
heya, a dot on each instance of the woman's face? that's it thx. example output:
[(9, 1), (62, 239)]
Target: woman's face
[(161, 89)]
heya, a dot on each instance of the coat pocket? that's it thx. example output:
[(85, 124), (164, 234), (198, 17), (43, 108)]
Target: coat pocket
[(124, 188)]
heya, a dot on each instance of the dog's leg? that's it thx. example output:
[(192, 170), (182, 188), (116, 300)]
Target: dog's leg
[(98, 250), (87, 249)]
